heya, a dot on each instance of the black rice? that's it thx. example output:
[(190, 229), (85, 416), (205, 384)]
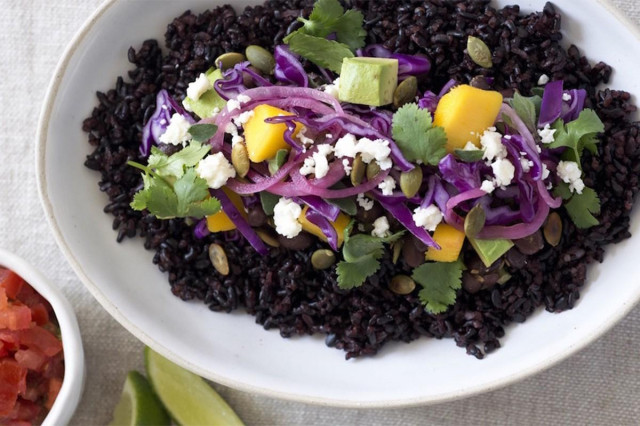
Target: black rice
[(282, 290)]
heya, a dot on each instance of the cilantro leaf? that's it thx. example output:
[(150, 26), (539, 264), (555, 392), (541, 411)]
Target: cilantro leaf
[(582, 207), (278, 160), (353, 274), (202, 132), (325, 53), (174, 165), (469, 155), (160, 199), (526, 110), (349, 29), (562, 190), (268, 201), (413, 131), (439, 283), (189, 189), (578, 135), (347, 205)]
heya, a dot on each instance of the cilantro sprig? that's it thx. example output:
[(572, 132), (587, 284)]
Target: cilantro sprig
[(527, 108), (418, 139), (172, 188), (578, 135), (580, 207), (361, 254), (440, 282), (328, 17)]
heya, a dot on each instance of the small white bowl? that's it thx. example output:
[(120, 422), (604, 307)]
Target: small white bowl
[(73, 382)]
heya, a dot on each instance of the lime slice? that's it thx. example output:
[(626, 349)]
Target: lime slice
[(187, 397), (138, 404)]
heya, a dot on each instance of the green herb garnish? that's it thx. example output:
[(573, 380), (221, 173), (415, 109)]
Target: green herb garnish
[(580, 207), (527, 109), (277, 161), (202, 132), (268, 201), (439, 281), (469, 155), (577, 135), (418, 139)]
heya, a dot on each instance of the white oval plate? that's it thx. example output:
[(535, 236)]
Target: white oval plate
[(232, 349)]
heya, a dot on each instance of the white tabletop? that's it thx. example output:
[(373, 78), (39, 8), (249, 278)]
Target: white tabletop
[(600, 385)]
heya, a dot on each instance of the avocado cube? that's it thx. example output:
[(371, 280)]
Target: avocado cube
[(368, 81), (490, 250), (210, 100)]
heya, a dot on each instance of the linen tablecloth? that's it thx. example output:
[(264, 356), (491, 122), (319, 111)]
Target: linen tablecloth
[(600, 385)]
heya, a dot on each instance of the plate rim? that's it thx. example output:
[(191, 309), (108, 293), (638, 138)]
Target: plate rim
[(40, 154)]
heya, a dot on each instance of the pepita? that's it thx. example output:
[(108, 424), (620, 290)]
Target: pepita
[(411, 181), (553, 229), (479, 52), (268, 238), (397, 250), (240, 159), (474, 222), (402, 284), (323, 259), (219, 259), (357, 170), (229, 60), (260, 58), (372, 170), (405, 92)]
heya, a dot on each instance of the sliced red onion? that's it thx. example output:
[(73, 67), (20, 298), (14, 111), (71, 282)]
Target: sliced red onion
[(325, 226), (551, 107), (324, 208), (403, 215), (554, 203), (520, 230), (288, 67), (241, 224), (450, 216), (262, 183)]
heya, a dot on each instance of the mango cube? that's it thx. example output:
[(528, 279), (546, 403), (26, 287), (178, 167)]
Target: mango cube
[(450, 241), (264, 140), (340, 224), (465, 113), (220, 222)]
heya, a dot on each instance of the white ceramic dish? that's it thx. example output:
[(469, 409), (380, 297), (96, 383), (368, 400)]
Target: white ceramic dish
[(232, 349), (73, 382)]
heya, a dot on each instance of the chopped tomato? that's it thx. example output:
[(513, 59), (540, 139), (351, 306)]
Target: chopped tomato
[(4, 300), (31, 359), (54, 389), (39, 314), (15, 317), (24, 410), (30, 297), (11, 282), (13, 381), (38, 337)]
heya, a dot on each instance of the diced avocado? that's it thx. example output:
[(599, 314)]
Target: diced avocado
[(210, 100), (490, 250), (368, 81)]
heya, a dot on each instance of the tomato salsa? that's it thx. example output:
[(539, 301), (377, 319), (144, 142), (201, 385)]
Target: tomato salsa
[(31, 356)]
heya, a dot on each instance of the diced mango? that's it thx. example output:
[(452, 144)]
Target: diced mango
[(264, 140), (450, 241), (220, 222), (340, 224), (465, 113)]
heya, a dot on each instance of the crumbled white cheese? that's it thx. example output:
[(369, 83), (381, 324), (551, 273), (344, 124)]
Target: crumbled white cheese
[(242, 119), (177, 131), (544, 79), (546, 134), (427, 217), (347, 166), (545, 171), (470, 146), (346, 146), (380, 227), (566, 97), (491, 141), (375, 150), (329, 136), (232, 105), (302, 137), (243, 99), (232, 130), (526, 165), (198, 87), (488, 186), (285, 217), (216, 170), (317, 163), (570, 173), (503, 171), (364, 202), (333, 89), (387, 185), (308, 166)]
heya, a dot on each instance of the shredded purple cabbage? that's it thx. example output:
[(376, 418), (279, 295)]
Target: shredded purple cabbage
[(166, 106), (288, 69), (407, 64), (325, 226)]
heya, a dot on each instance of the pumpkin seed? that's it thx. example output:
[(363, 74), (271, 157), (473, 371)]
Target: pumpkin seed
[(229, 60), (405, 92), (397, 250), (474, 222), (480, 82), (402, 284), (268, 238), (372, 170), (322, 259), (219, 259), (411, 181), (357, 170), (240, 159), (553, 229), (260, 58), (479, 52)]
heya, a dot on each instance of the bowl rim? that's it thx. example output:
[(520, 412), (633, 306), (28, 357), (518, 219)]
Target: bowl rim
[(74, 372), (40, 153)]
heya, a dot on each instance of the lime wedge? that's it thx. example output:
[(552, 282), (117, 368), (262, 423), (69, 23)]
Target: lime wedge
[(138, 404), (187, 397)]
